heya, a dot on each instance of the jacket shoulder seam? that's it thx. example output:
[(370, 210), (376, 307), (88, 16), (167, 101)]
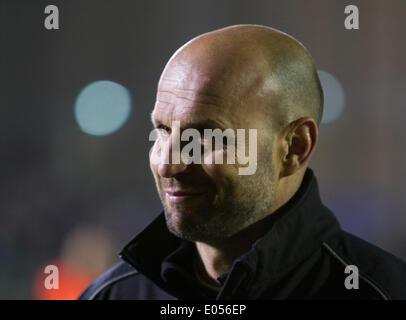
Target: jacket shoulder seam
[(112, 281), (362, 275)]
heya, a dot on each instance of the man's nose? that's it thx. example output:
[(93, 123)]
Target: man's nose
[(171, 163)]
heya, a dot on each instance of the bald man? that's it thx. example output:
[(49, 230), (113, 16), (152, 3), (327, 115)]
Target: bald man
[(227, 235)]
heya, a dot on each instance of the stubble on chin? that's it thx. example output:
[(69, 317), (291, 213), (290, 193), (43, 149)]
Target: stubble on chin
[(210, 224)]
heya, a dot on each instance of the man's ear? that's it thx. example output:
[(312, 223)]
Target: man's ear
[(299, 143)]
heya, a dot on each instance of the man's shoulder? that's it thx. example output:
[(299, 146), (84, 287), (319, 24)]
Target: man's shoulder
[(381, 270), (123, 282), (116, 274)]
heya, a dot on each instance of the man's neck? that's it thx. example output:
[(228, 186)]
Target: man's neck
[(213, 261), (216, 259)]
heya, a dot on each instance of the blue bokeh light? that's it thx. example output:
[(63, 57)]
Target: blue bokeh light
[(102, 107), (334, 96)]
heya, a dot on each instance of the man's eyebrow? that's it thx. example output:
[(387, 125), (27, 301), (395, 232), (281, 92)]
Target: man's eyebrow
[(199, 125), (206, 124)]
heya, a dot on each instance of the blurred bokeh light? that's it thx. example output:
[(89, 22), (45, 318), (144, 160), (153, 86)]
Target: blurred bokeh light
[(102, 107), (334, 96)]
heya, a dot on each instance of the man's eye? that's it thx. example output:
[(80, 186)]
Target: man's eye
[(164, 128)]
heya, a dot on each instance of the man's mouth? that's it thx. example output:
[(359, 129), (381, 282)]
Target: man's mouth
[(183, 195)]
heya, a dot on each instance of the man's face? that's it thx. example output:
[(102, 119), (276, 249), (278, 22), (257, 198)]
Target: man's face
[(208, 202)]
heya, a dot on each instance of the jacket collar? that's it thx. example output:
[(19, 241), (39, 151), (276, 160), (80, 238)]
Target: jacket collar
[(302, 224)]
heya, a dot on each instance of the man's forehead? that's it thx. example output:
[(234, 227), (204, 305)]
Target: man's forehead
[(195, 115), (171, 89), (191, 100), (197, 106)]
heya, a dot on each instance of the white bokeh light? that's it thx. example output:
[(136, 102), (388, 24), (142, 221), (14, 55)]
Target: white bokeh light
[(334, 97), (102, 107)]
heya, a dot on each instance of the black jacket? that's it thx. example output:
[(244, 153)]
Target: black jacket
[(302, 256)]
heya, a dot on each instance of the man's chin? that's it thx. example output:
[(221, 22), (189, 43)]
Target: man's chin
[(180, 219), (188, 213), (194, 228), (185, 225)]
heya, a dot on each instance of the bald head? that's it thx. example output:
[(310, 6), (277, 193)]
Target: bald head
[(252, 67), (244, 78)]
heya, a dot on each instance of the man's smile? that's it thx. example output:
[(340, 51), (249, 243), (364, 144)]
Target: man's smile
[(178, 195)]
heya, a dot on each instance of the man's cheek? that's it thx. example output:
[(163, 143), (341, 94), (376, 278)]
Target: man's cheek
[(218, 156), (217, 168), (211, 162)]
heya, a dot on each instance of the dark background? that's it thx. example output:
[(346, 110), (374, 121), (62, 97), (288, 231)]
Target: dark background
[(54, 178)]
